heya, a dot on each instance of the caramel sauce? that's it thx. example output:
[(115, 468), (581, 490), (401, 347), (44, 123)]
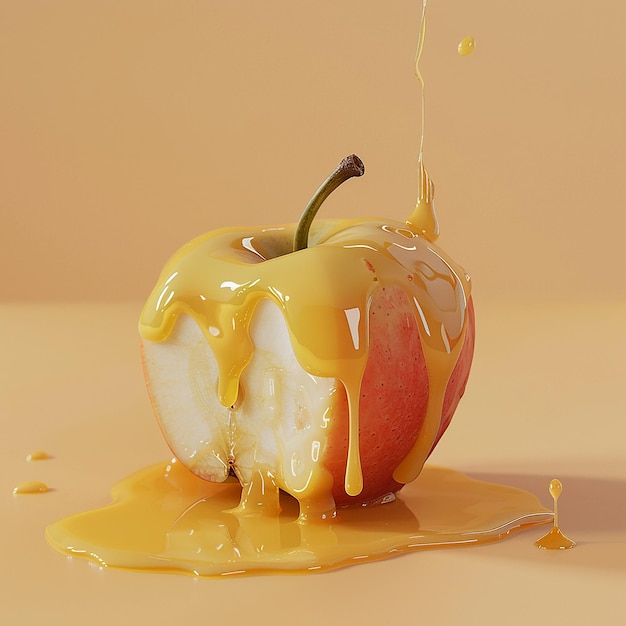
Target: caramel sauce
[(31, 486), (166, 519), (220, 277), (466, 46), (38, 455), (555, 539)]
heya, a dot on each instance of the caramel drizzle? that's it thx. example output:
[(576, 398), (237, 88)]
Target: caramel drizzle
[(220, 277)]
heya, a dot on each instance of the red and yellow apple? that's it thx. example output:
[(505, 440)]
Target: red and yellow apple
[(325, 359)]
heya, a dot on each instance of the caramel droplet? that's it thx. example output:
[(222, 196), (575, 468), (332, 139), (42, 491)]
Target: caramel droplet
[(466, 46), (555, 539), (31, 486), (555, 489), (38, 455)]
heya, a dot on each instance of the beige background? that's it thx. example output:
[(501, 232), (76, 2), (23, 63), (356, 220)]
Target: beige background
[(128, 127)]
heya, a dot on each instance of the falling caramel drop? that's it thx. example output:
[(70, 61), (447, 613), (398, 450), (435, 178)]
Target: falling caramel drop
[(466, 46)]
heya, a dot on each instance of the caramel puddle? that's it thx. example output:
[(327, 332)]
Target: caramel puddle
[(166, 519)]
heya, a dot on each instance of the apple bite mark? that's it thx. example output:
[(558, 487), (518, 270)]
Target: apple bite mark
[(274, 435)]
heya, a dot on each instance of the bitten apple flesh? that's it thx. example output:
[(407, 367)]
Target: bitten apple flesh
[(330, 373)]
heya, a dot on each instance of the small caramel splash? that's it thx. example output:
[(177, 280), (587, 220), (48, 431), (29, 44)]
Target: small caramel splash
[(555, 539), (31, 486), (38, 455), (466, 46)]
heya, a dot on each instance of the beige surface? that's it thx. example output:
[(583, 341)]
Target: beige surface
[(545, 400), (128, 127)]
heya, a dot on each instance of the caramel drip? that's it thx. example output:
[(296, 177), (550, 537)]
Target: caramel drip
[(555, 539), (423, 219), (354, 475), (324, 292)]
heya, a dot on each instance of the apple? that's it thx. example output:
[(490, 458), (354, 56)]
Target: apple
[(324, 359)]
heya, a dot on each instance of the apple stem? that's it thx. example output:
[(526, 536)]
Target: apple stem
[(349, 167)]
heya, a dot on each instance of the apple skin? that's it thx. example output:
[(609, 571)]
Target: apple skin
[(394, 397)]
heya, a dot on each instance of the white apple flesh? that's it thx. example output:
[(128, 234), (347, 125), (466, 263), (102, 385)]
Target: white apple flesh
[(278, 424)]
